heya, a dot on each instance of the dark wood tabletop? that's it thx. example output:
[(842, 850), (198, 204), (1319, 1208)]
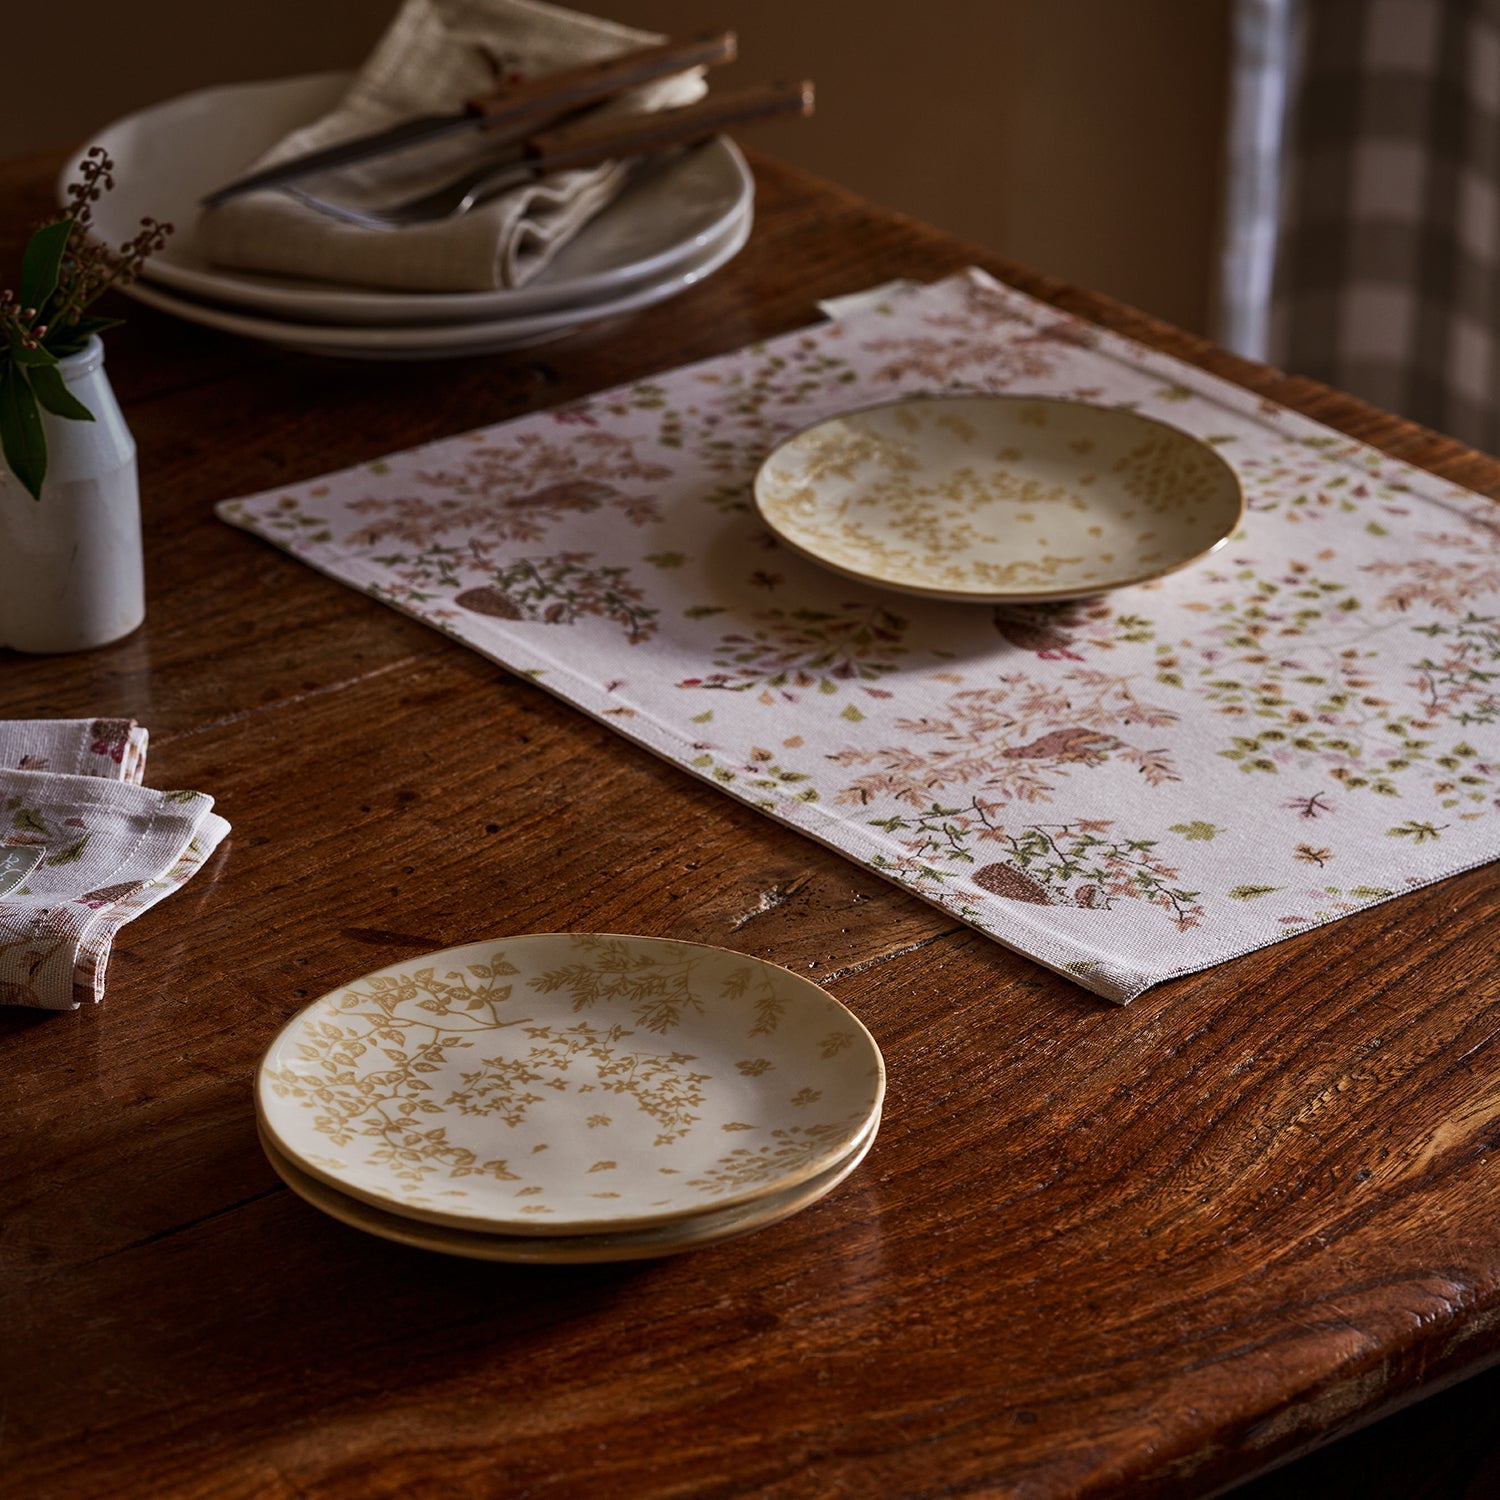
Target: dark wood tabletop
[(1095, 1251)]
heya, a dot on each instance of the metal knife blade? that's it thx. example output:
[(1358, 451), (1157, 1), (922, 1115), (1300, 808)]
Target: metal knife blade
[(414, 132)]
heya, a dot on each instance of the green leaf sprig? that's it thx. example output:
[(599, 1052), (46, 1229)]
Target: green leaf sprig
[(64, 270)]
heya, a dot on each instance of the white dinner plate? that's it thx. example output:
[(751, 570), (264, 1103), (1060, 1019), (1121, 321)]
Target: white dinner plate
[(993, 498), (449, 340), (168, 156), (681, 1235), (570, 1083)]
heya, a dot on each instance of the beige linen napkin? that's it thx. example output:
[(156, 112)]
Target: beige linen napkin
[(437, 54)]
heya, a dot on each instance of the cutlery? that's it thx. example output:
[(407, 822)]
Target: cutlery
[(584, 144), (506, 110)]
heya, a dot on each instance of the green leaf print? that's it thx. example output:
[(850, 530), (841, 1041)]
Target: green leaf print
[(561, 590), (1251, 892), (72, 854), (1084, 863), (1196, 830), (822, 650), (1418, 833)]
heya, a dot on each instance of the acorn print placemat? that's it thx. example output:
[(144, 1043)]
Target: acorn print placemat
[(1127, 787)]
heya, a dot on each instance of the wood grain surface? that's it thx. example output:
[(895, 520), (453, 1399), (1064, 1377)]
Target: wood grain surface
[(1095, 1251)]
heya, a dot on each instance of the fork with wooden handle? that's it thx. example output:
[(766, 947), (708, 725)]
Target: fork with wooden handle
[(506, 113), (587, 143)]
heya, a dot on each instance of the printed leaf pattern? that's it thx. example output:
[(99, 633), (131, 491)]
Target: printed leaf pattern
[(1016, 741), (792, 651), (1172, 769)]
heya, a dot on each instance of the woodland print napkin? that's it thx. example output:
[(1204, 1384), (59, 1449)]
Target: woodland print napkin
[(82, 851), (113, 748), (1127, 787)]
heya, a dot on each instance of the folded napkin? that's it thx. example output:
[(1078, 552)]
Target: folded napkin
[(93, 950), (83, 849), (113, 748), (436, 55)]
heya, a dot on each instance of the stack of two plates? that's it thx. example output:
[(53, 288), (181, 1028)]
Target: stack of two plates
[(570, 1097), (675, 226)]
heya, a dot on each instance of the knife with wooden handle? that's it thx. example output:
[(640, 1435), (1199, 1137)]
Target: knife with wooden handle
[(609, 139), (526, 106), (582, 143)]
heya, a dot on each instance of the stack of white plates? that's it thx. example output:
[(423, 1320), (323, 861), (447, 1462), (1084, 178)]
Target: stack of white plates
[(671, 229), (570, 1097)]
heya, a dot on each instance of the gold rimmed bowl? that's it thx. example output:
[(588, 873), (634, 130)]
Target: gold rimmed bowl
[(993, 499)]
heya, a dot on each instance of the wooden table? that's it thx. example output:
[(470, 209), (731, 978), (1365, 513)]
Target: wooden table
[(1095, 1251)]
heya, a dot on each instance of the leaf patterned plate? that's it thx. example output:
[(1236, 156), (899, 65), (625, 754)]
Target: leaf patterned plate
[(674, 1238), (993, 498), (570, 1083)]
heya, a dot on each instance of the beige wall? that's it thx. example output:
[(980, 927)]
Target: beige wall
[(1079, 136)]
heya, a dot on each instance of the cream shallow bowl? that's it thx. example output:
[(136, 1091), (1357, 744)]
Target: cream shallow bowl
[(994, 498), (570, 1083)]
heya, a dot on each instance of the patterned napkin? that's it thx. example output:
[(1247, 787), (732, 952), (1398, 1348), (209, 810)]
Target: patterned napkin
[(83, 849), (437, 54), (113, 748), (1127, 787)]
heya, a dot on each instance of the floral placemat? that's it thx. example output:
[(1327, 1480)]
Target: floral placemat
[(1127, 788)]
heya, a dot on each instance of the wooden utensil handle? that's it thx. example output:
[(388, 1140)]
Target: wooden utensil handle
[(559, 93), (587, 144)]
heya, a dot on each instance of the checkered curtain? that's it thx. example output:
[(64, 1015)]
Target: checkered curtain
[(1368, 254)]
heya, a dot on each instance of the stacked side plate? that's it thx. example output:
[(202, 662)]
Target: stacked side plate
[(674, 226), (570, 1097)]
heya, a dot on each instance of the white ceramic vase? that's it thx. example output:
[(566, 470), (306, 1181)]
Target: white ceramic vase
[(71, 574)]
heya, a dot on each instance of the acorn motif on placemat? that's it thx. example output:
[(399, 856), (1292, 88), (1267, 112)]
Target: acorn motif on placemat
[(1034, 631), (488, 600), (1006, 880)]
